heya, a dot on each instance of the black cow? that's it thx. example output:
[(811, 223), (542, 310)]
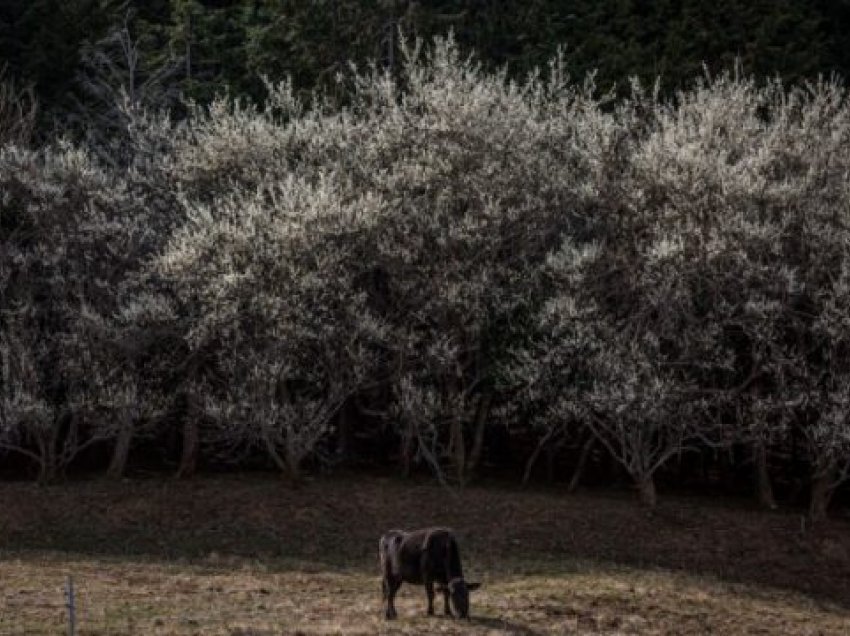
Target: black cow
[(424, 557)]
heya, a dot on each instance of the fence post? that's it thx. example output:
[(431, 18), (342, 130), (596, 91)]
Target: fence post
[(69, 594)]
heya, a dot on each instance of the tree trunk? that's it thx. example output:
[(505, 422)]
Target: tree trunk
[(121, 451), (481, 416), (646, 491), (764, 489), (293, 463), (287, 463), (406, 451), (343, 448), (48, 471), (823, 486), (191, 446), (727, 461), (529, 465), (458, 445), (48, 466), (582, 462)]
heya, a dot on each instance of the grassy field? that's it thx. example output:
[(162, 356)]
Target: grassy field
[(247, 556)]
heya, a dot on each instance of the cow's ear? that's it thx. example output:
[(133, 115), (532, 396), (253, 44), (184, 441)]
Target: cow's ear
[(472, 586)]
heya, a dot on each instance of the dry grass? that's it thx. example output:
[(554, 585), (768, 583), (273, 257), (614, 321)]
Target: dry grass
[(248, 557)]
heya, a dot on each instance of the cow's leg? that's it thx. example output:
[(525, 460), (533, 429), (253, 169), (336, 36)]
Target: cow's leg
[(391, 585), (427, 578), (446, 607)]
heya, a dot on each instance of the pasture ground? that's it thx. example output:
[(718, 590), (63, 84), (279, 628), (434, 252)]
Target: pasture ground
[(247, 556)]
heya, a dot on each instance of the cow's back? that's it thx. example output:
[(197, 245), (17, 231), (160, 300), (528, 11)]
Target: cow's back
[(406, 554), (436, 550), (444, 552)]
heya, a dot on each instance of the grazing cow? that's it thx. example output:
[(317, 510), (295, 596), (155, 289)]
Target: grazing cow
[(424, 557)]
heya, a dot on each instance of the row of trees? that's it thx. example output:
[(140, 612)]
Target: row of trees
[(448, 254)]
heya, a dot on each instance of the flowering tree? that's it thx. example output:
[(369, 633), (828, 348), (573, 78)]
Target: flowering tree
[(431, 198), (753, 205), (67, 244), (586, 366), (479, 176), (706, 285), (265, 279)]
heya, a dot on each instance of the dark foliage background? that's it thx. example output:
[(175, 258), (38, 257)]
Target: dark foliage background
[(228, 45)]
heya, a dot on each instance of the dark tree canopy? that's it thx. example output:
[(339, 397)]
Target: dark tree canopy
[(227, 46)]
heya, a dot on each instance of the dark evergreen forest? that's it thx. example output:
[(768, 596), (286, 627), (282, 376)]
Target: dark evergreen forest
[(227, 46)]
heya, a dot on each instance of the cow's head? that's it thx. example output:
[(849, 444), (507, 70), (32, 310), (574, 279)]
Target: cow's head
[(459, 590)]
